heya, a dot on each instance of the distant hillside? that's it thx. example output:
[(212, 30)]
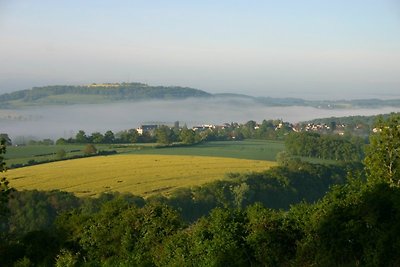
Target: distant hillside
[(114, 92), (350, 120), (323, 104), (95, 93)]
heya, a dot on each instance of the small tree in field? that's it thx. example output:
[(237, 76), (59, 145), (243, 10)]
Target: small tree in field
[(89, 149), (61, 154)]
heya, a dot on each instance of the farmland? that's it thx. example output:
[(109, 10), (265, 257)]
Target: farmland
[(143, 175), (249, 149)]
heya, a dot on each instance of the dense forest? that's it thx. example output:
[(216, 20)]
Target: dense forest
[(325, 146), (297, 214)]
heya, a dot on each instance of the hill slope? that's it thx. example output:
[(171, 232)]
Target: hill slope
[(114, 92), (95, 93)]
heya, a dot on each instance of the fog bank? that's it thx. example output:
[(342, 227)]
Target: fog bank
[(64, 121)]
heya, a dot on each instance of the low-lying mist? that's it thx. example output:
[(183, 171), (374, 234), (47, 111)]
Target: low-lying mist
[(64, 121)]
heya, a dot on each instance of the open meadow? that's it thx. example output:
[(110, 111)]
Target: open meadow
[(247, 149), (142, 175)]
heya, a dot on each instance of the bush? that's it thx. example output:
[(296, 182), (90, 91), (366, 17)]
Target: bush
[(89, 149)]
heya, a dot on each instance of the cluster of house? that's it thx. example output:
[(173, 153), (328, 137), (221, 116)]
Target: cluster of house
[(205, 127), (152, 127), (322, 127), (316, 127), (146, 128), (103, 85)]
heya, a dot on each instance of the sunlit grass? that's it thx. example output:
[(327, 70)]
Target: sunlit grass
[(138, 174)]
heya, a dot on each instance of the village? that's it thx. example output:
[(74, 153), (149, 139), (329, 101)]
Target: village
[(323, 128)]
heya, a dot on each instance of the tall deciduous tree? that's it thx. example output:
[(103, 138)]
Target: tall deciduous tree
[(383, 154), (187, 136), (4, 188), (164, 135), (6, 139), (109, 137), (81, 137), (97, 138)]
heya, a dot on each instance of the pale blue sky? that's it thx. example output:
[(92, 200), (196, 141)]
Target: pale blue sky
[(310, 48)]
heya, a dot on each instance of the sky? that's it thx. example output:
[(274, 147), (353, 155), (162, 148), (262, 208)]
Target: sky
[(314, 49)]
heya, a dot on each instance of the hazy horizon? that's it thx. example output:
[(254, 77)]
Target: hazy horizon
[(309, 49), (303, 95), (65, 121)]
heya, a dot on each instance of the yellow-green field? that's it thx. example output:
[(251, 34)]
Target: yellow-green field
[(142, 175)]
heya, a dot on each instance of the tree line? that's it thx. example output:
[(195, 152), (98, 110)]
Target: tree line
[(268, 129), (334, 147)]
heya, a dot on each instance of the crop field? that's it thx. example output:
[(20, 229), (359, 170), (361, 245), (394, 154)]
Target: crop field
[(143, 175), (248, 149)]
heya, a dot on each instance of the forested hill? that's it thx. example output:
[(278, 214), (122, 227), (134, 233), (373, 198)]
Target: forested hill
[(114, 92), (96, 93)]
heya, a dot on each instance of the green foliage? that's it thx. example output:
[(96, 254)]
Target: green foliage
[(276, 188), (97, 138), (273, 236), (128, 136), (5, 190), (66, 258), (213, 241), (187, 136), (125, 233), (283, 158), (6, 138), (325, 146), (109, 137), (81, 137), (40, 247), (383, 154), (24, 262), (61, 141), (217, 240), (354, 225), (61, 153), (165, 135), (36, 211)]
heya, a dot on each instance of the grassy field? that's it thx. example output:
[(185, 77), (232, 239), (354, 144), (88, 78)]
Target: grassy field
[(138, 174), (248, 149), (23, 154)]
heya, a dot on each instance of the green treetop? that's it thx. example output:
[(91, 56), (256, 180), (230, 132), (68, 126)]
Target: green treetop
[(383, 154)]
